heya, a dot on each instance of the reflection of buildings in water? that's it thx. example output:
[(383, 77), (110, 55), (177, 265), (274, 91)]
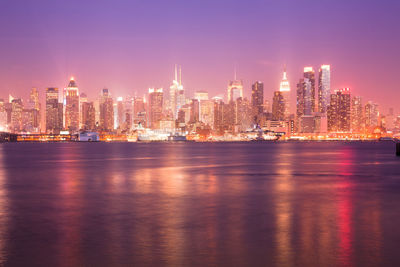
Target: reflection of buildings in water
[(345, 206), (162, 188), (3, 209), (283, 207), (71, 205)]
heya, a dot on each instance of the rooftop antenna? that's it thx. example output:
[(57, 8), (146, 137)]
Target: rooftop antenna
[(180, 75), (176, 73)]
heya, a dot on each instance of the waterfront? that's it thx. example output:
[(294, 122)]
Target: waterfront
[(181, 204)]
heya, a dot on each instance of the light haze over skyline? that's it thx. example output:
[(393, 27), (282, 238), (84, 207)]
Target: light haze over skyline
[(130, 46)]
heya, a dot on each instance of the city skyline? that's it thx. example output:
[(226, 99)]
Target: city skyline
[(115, 52)]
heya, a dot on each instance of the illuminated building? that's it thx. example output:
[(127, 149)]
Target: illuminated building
[(309, 80), (218, 114), (34, 108), (207, 112), (155, 107), (72, 106), (257, 98), (139, 111), (371, 115), (284, 89), (54, 111), (339, 111), (88, 116), (357, 118), (128, 113), (106, 111), (16, 115), (324, 88), (194, 111), (120, 113), (235, 89), (278, 106), (176, 93), (201, 95), (307, 124), (243, 113), (3, 116)]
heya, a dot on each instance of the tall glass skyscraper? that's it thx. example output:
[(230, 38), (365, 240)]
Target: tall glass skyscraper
[(309, 79), (324, 88)]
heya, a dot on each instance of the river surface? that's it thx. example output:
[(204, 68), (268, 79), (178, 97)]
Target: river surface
[(194, 204)]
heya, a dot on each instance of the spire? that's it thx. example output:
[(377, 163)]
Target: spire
[(234, 74), (284, 72), (180, 75), (176, 72)]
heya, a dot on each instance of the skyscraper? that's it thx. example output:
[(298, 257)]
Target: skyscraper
[(284, 89), (139, 111), (176, 93), (16, 115), (155, 107), (324, 88), (278, 106), (339, 111), (309, 79), (257, 98), (88, 116), (106, 111), (304, 98), (54, 111), (235, 89), (357, 118), (72, 106), (371, 115), (32, 111)]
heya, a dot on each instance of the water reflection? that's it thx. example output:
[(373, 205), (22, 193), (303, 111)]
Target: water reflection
[(195, 204), (3, 208)]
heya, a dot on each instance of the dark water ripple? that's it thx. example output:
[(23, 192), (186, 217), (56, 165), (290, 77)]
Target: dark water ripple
[(243, 204)]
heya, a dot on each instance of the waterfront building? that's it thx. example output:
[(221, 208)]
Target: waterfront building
[(139, 111), (16, 114), (106, 111), (33, 107), (54, 111), (339, 111), (88, 116), (3, 116), (324, 88), (371, 112), (155, 107), (71, 98), (243, 118), (218, 114), (357, 117)]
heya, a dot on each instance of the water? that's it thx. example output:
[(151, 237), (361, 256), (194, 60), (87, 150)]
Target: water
[(160, 204)]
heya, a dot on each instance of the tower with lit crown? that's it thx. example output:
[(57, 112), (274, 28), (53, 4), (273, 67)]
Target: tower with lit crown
[(71, 102), (235, 89), (176, 93), (284, 89)]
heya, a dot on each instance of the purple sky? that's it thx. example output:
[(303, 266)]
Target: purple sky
[(128, 46)]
